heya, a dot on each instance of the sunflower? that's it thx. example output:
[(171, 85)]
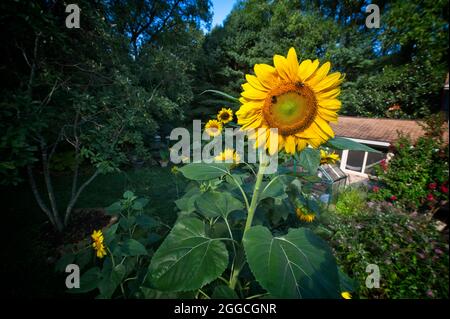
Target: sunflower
[(304, 215), (298, 99), (225, 115), (328, 158), (228, 155), (346, 295), (97, 237), (213, 128)]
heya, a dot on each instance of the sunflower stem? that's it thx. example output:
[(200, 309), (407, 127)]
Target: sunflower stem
[(256, 192)]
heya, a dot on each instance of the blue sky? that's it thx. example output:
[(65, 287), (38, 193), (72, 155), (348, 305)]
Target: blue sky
[(221, 9)]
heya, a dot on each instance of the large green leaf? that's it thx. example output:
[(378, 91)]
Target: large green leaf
[(213, 204), (309, 159), (187, 259), (273, 188), (203, 171), (341, 143), (132, 247), (297, 265), (187, 202)]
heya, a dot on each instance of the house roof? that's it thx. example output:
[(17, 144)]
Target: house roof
[(376, 129)]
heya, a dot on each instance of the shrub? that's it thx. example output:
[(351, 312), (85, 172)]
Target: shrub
[(417, 176), (351, 201), (411, 254)]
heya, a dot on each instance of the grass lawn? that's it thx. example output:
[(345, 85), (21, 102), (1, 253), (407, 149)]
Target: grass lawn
[(25, 271)]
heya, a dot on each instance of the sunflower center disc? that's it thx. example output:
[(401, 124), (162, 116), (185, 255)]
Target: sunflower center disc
[(290, 107)]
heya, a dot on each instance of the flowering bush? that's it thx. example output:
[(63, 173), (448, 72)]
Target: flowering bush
[(411, 254), (417, 176)]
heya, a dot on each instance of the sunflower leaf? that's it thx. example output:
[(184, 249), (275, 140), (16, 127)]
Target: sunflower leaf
[(232, 98), (203, 171), (341, 143), (187, 259), (296, 265)]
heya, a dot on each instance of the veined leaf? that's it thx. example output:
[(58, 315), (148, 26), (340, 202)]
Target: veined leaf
[(309, 159), (203, 171), (213, 204), (297, 265), (187, 259)]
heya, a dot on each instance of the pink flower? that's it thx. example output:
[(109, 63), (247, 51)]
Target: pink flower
[(432, 186), (444, 189), (375, 189), (430, 293), (430, 197), (438, 251), (393, 198)]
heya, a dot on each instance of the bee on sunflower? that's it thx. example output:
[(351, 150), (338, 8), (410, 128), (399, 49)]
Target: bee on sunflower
[(298, 99)]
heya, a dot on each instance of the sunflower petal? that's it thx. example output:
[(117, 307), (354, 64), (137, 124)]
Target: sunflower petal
[(290, 144), (324, 126), (266, 74), (293, 64), (251, 93), (331, 94), (254, 82), (282, 66), (320, 74), (306, 69), (328, 115), (330, 104), (329, 82)]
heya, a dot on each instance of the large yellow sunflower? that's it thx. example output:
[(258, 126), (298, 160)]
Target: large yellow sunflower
[(298, 99)]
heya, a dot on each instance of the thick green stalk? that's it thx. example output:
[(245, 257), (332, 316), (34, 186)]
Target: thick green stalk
[(256, 193)]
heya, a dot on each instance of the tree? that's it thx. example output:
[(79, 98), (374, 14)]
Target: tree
[(80, 90)]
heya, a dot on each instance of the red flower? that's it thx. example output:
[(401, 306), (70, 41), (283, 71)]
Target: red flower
[(375, 189), (432, 186), (444, 189), (393, 198), (430, 197), (383, 165)]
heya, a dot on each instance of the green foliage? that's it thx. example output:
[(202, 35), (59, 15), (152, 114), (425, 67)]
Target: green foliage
[(411, 254), (129, 247), (351, 201)]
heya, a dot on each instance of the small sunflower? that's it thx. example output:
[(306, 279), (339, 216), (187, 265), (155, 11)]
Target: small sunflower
[(97, 237), (213, 128), (298, 99), (328, 158), (304, 215), (346, 295), (228, 155), (225, 115)]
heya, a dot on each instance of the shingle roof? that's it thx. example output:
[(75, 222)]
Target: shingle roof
[(375, 129)]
